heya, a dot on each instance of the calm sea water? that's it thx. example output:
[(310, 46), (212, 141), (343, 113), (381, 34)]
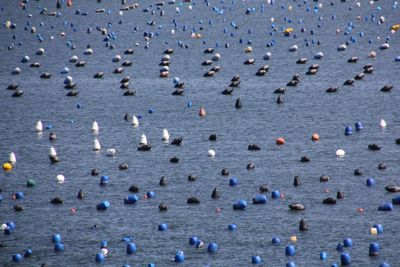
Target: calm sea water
[(307, 109)]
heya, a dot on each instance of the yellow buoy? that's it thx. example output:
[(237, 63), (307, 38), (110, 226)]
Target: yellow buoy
[(293, 238), (7, 166), (395, 27), (374, 231)]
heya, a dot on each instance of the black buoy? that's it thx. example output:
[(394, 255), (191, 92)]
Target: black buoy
[(54, 158), (238, 103), (81, 195), (133, 189), (358, 172), (18, 207), (374, 147), (324, 178), (52, 136), (264, 188), (123, 166), (192, 178), (225, 172), (126, 116), (305, 159), (193, 200), (339, 195), (250, 166), (329, 201), (177, 141), (212, 137), (57, 200), (215, 194), (163, 181), (303, 225), (382, 166), (174, 160), (279, 100), (296, 181), (163, 207), (95, 172)]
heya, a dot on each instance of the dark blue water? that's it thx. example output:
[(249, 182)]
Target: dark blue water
[(307, 108)]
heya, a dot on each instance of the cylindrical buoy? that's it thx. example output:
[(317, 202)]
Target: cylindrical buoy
[(130, 248), (345, 259), (386, 207), (135, 121), (322, 255), (96, 145), (150, 194), (260, 199), (17, 258), (162, 227), (359, 126), (104, 205), (348, 131), (240, 205), (382, 123), (202, 112), (179, 257), (291, 264), (95, 127), (290, 250), (374, 249), (12, 159), (131, 199), (212, 247), (104, 180), (379, 228), (165, 135), (39, 126), (256, 260)]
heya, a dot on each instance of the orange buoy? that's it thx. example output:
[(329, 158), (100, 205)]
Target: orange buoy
[(202, 112), (360, 210), (280, 141), (315, 137), (69, 2)]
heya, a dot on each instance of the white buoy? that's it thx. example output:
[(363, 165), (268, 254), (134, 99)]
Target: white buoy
[(12, 159), (104, 251), (60, 179), (165, 135), (216, 57), (372, 54), (382, 123), (74, 59), (267, 56), (211, 153), (52, 151), (96, 145), (95, 127), (39, 126), (135, 121), (111, 152), (293, 48), (340, 153), (117, 58), (88, 51), (3, 227), (143, 140)]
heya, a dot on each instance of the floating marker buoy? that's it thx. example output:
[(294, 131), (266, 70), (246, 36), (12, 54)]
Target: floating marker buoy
[(99, 258), (348, 131), (111, 152), (370, 182), (16, 258), (130, 248), (233, 181), (193, 240), (60, 179), (96, 144), (202, 112), (359, 126), (211, 153), (12, 159), (7, 166), (135, 121), (256, 260), (179, 256), (104, 205), (59, 247), (143, 140), (323, 255), (345, 259), (275, 241), (104, 180), (212, 247), (162, 227), (348, 243), (28, 253), (386, 207), (374, 249), (239, 205), (260, 199), (38, 126), (275, 194), (382, 123), (280, 141), (131, 199), (95, 126), (379, 228), (290, 250), (165, 135), (340, 153), (232, 227)]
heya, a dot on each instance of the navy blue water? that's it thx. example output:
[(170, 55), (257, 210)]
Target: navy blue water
[(307, 108)]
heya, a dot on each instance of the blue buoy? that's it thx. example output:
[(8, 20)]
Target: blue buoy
[(151, 111), (386, 207), (131, 199), (212, 247), (275, 194), (179, 257), (103, 244), (370, 182), (276, 241), (193, 240), (150, 194), (396, 200), (78, 106), (199, 244), (374, 249), (397, 59), (99, 258), (59, 247), (104, 205), (345, 259), (240, 205), (339, 247), (256, 260), (290, 264), (17, 258), (233, 181), (28, 253), (130, 248), (19, 195), (189, 104), (232, 227), (162, 227), (379, 228), (11, 225), (323, 255), (348, 243), (290, 250), (260, 199), (348, 131), (151, 265), (104, 180), (359, 126), (384, 264), (56, 238)]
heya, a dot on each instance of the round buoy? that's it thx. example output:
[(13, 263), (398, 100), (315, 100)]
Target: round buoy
[(290, 250), (56, 238), (28, 253), (19, 195), (232, 227), (315, 137), (348, 243), (179, 257), (275, 194), (280, 141), (340, 153), (150, 194), (256, 260), (370, 182), (99, 258), (233, 181), (212, 247), (193, 240), (211, 153), (131, 199), (290, 264), (7, 166), (374, 249), (130, 248), (379, 228), (104, 180), (104, 205), (30, 183), (276, 241), (59, 247), (359, 126), (60, 179)]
